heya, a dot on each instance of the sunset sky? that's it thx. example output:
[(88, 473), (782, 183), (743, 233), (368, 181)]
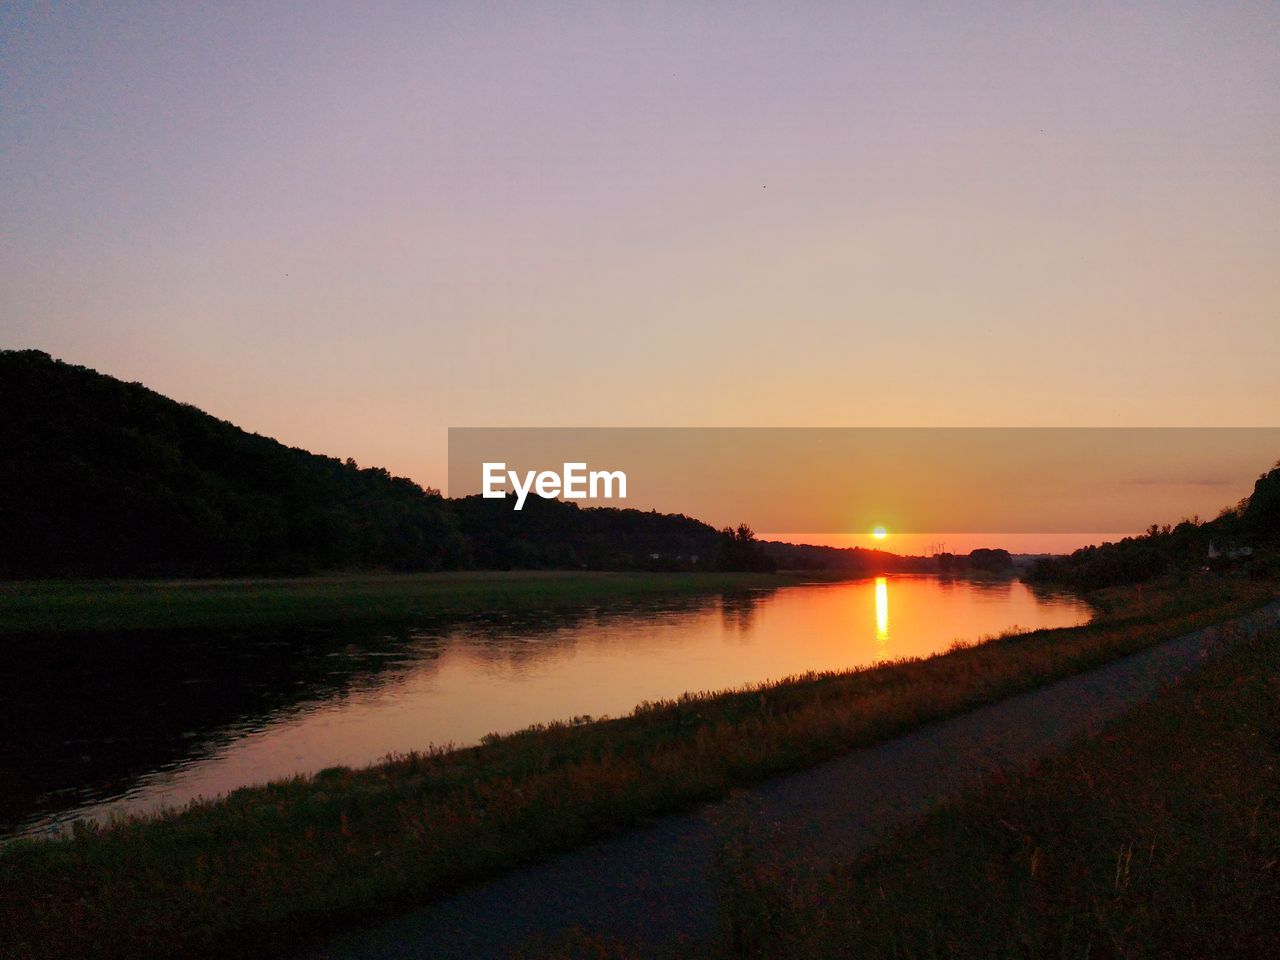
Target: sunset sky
[(353, 226)]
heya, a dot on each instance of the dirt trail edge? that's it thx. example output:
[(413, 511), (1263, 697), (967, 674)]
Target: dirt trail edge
[(657, 885)]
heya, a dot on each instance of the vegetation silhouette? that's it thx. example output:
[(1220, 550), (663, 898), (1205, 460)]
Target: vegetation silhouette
[(101, 478), (1243, 538), (739, 550)]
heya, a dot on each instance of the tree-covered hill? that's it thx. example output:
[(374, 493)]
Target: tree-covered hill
[(1245, 537), (101, 478), (104, 478)]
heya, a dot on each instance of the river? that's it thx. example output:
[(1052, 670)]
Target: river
[(178, 717)]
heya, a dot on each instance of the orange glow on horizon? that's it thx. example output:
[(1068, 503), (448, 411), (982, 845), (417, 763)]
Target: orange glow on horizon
[(925, 544)]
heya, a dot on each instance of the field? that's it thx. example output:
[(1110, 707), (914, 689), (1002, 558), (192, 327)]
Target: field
[(255, 873), (48, 606)]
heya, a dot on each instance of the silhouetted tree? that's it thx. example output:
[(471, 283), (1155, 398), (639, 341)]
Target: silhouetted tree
[(989, 560), (739, 550)]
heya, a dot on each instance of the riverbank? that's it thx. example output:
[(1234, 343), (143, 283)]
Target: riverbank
[(67, 606), (659, 890), (270, 866), (1156, 838)]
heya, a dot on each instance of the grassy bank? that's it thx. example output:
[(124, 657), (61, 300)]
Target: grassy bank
[(269, 865), (1160, 838), (76, 605)]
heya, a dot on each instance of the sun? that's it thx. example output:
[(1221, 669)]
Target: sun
[(879, 533)]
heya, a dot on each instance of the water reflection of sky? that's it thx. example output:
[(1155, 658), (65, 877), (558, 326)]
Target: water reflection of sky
[(455, 683)]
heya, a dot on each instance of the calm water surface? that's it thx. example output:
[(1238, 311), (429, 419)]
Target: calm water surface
[(219, 713)]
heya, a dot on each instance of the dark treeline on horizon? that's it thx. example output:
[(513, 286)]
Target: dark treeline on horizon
[(105, 478), (101, 478)]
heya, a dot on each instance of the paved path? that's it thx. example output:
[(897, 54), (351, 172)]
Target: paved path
[(658, 883)]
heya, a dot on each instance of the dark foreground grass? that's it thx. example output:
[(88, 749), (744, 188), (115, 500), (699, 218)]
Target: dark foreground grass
[(1160, 838), (271, 866), (48, 606)]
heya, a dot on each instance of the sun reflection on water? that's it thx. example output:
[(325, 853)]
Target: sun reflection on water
[(882, 618)]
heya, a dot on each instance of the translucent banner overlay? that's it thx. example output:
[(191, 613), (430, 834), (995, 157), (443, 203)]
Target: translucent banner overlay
[(906, 480)]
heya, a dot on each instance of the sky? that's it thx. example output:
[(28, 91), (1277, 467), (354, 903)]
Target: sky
[(353, 226)]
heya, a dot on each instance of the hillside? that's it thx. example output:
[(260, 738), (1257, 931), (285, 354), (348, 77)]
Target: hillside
[(101, 478), (1244, 538)]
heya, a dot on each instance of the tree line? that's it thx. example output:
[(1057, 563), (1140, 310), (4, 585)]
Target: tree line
[(1244, 538), (101, 478)]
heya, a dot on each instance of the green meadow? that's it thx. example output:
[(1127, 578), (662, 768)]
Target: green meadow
[(45, 606)]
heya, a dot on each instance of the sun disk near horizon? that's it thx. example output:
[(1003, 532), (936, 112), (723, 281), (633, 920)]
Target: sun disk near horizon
[(879, 533)]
